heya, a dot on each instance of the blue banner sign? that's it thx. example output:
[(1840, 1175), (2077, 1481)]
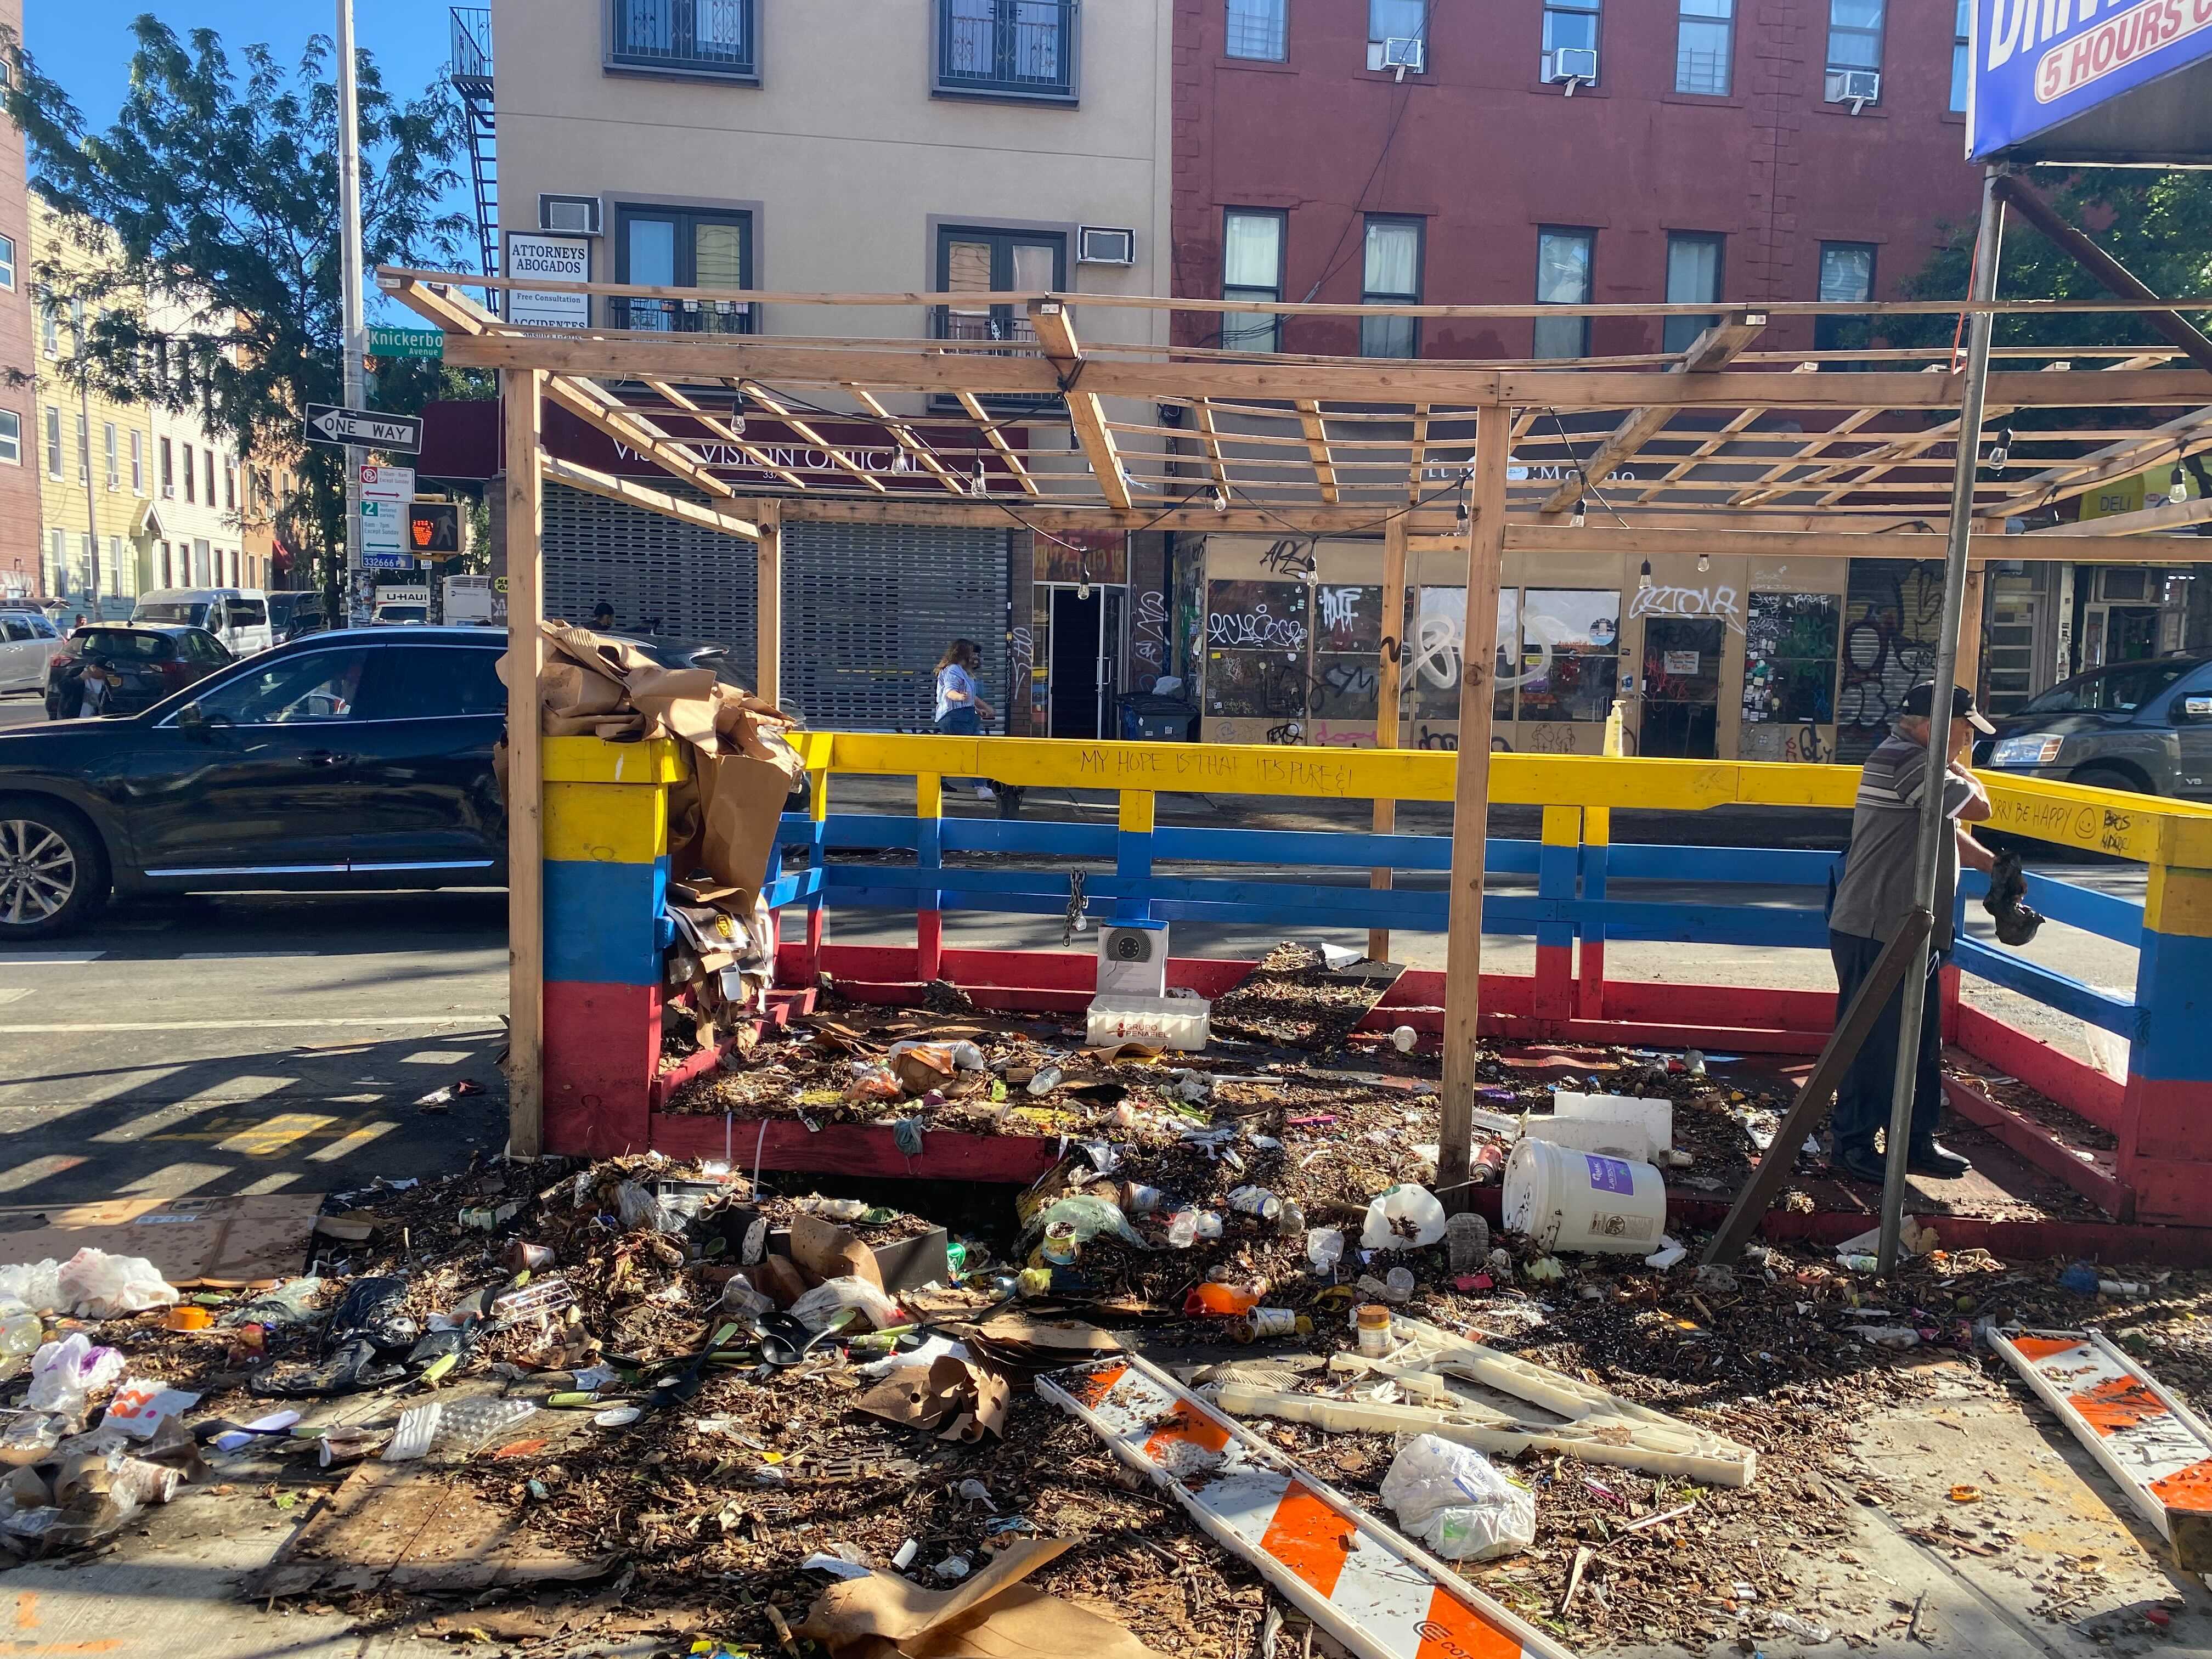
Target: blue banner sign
[(2041, 64)]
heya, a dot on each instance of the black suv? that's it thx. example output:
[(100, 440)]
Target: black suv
[(2140, 725), (358, 759)]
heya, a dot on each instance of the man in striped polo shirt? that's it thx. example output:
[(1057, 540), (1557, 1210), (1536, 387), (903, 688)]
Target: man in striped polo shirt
[(1871, 903)]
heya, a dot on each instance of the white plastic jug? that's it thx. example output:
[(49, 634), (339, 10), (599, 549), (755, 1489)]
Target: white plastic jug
[(1574, 1201)]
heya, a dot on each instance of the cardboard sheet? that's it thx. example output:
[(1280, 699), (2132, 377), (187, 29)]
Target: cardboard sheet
[(193, 1241), (993, 1615)]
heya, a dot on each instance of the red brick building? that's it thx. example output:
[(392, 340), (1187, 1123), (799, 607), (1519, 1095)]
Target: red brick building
[(1605, 150), (20, 564)]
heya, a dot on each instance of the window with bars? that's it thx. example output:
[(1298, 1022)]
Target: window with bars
[(1252, 270), (691, 37), (1704, 47), (1564, 258), (1259, 29), (978, 259), (683, 247), (1008, 48), (1391, 274), (1693, 275)]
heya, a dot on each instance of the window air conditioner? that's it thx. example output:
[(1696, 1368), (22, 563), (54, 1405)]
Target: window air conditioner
[(573, 215), (1098, 245), (1572, 64), (1857, 87), (2128, 586), (1404, 51)]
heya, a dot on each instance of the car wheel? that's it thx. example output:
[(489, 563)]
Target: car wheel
[(2111, 777), (51, 873)]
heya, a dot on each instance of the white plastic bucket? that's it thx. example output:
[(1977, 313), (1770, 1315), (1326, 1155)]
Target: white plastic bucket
[(1574, 1201)]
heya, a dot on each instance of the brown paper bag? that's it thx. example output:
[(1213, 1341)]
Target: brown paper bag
[(744, 804)]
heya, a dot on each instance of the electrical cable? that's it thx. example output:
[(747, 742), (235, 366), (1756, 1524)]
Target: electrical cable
[(1589, 489)]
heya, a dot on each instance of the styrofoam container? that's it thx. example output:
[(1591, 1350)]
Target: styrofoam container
[(1163, 1022), (1625, 1126), (1571, 1200)]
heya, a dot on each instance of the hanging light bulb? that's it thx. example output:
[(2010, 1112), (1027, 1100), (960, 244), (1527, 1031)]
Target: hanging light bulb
[(1704, 562), (737, 414), (982, 484), (1580, 516), (1644, 578), (1312, 574), (1220, 498), (1462, 507), (2177, 486), (1082, 586), (2000, 452)]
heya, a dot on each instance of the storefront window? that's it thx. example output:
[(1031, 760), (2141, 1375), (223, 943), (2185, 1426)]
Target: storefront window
[(1790, 648), (1256, 651), (1435, 632), (1570, 654), (1347, 654)]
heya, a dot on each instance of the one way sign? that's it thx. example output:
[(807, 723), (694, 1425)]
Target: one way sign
[(328, 423)]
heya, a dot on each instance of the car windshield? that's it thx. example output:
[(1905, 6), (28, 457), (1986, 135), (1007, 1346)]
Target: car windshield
[(194, 615), (119, 642), (2110, 691)]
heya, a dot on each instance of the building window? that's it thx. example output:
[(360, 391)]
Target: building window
[(138, 463), (974, 260), (1563, 278), (1571, 26), (168, 472), (50, 330), (1704, 46), (1252, 270), (698, 37), (207, 472), (1846, 278), (113, 454), (53, 442), (1018, 48), (683, 247), (84, 449), (7, 263), (1259, 28), (168, 579), (58, 564), (1854, 48), (230, 486), (118, 573), (1392, 276), (1693, 276), (190, 474), (1398, 35), (1962, 54), (11, 438)]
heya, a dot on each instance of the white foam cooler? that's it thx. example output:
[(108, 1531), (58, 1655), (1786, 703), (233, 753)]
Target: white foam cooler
[(1163, 1022)]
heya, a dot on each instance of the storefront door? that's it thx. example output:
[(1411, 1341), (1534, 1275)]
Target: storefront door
[(1681, 687), (1083, 663)]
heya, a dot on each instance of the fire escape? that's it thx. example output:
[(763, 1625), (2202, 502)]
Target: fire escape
[(471, 73)]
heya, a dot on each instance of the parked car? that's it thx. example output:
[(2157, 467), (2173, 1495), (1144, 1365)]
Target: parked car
[(112, 668), (295, 613), (28, 639), (354, 760), (404, 615), (2140, 725), (239, 616)]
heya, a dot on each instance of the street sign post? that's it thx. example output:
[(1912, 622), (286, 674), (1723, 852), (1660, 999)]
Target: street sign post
[(405, 342), (327, 423), (384, 493), (434, 529)]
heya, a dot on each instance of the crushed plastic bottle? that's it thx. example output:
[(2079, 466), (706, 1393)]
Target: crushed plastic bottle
[(1182, 1230), (1805, 1629), (1324, 1248), (1256, 1200), (1220, 1301), (1046, 1079), (1263, 1323), (1291, 1222)]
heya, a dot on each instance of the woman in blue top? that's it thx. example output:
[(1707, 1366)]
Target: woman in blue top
[(961, 710)]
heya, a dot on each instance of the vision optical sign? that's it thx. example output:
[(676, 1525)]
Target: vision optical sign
[(2116, 81)]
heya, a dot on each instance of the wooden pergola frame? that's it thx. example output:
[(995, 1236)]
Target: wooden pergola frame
[(1772, 455)]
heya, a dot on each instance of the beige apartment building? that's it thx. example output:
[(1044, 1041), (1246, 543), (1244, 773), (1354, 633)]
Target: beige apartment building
[(844, 146)]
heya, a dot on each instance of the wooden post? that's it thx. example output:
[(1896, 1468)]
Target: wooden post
[(1389, 677), (1968, 673), (520, 390), (1486, 559), (768, 626)]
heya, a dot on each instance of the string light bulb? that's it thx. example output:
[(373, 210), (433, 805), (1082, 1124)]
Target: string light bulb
[(1644, 578), (2000, 452), (1580, 516), (982, 484), (1220, 498), (2177, 486), (1704, 562)]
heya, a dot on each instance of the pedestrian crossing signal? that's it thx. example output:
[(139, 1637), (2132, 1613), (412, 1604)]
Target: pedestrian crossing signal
[(434, 529)]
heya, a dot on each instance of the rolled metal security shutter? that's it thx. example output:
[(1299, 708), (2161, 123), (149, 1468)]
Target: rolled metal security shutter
[(662, 576), (869, 609)]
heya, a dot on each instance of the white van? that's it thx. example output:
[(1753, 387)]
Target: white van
[(239, 616)]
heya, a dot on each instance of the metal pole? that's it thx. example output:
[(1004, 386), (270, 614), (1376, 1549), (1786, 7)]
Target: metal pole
[(352, 260), (91, 510), (1933, 825)]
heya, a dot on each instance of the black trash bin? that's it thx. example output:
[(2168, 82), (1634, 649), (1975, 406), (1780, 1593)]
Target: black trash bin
[(1147, 718)]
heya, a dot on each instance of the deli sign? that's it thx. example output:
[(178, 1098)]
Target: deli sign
[(2091, 80)]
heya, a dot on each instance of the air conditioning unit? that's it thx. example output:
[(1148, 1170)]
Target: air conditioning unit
[(1132, 962), (1574, 65), (1857, 87), (2128, 586), (1405, 52), (1098, 245), (572, 215)]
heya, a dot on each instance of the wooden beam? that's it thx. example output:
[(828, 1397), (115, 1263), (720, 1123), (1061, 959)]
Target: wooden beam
[(1418, 456), (1211, 437), (768, 616), (1389, 671), (1715, 442), (520, 391), (896, 428), (1707, 353), (1055, 332), (593, 482), (1485, 560), (998, 441), (722, 429), (593, 405), (844, 463), (2168, 326), (2169, 517), (2173, 441), (1317, 433)]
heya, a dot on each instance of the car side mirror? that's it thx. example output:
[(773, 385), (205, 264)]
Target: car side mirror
[(193, 718), (2197, 708)]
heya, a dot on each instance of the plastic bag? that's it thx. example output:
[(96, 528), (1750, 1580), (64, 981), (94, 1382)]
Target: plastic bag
[(1450, 1497), (63, 1374), (1090, 1215), (872, 1081), (101, 1286), (1406, 1216), (36, 1285), (822, 1304)]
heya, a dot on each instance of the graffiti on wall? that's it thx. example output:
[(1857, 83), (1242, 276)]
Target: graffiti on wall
[(1148, 630), (1892, 613), (1721, 602)]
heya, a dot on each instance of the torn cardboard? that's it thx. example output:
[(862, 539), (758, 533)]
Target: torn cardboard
[(953, 1400), (217, 1241), (994, 1615)]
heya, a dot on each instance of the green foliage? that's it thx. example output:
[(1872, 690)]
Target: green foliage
[(215, 190)]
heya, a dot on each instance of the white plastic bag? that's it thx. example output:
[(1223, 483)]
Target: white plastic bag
[(63, 1374), (37, 1286), (822, 1304), (1405, 1217), (1450, 1497), (101, 1286)]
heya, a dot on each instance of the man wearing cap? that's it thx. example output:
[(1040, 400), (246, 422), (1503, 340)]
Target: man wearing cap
[(1871, 901)]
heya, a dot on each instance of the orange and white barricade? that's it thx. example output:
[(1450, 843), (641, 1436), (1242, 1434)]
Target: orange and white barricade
[(2154, 1446), (1379, 1593)]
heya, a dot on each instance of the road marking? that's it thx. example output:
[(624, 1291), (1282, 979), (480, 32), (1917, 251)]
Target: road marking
[(347, 1145), (422, 1056), (49, 958), (269, 1184), (37, 1170), (467, 1021), (272, 1135), (240, 956), (174, 1179), (14, 994)]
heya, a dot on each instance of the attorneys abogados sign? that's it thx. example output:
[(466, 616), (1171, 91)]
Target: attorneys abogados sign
[(2092, 80)]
